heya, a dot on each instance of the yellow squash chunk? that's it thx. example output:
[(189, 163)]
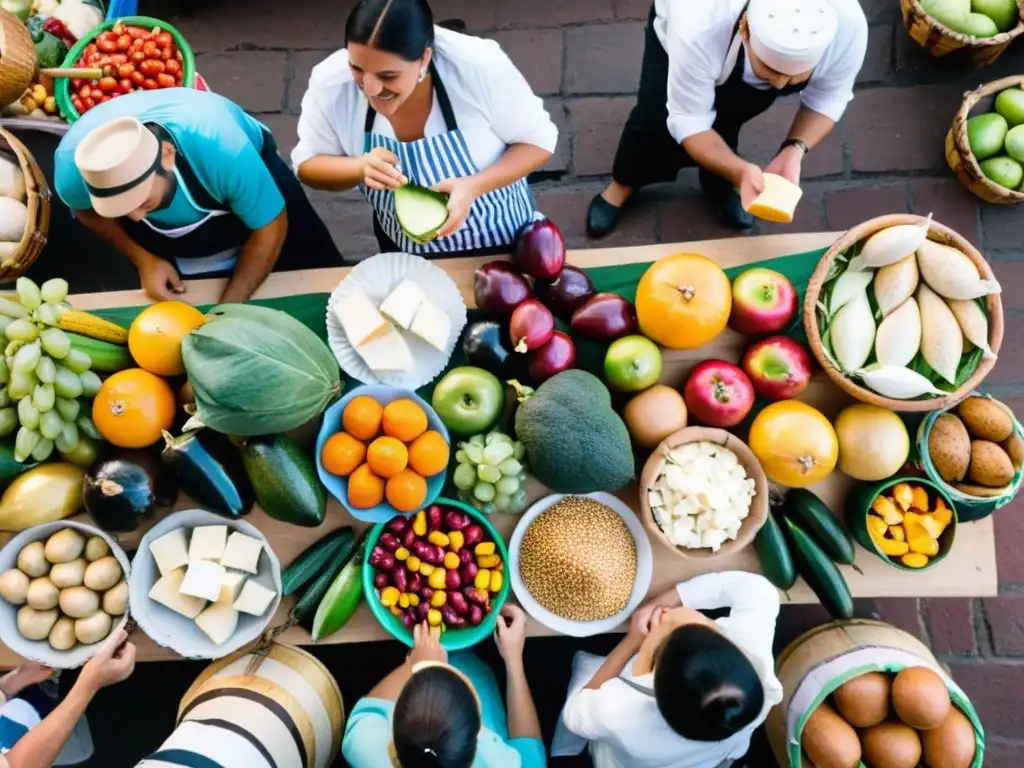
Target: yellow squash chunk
[(892, 548), (914, 560), (932, 526), (887, 510), (919, 540), (920, 498), (942, 513), (897, 533), (877, 526), (778, 201), (903, 495)]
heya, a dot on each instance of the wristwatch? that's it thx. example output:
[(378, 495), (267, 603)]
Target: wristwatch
[(795, 143)]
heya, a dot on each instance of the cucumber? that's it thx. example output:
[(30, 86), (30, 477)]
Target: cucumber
[(342, 599), (773, 552), (105, 357), (813, 516), (285, 480), (306, 607), (820, 573), (309, 563)]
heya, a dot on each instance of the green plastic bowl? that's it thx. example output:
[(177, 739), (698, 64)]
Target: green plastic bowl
[(452, 639), (62, 85), (858, 506)]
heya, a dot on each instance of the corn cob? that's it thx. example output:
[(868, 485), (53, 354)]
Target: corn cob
[(94, 327)]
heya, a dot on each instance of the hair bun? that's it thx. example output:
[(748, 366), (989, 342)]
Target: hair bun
[(726, 707)]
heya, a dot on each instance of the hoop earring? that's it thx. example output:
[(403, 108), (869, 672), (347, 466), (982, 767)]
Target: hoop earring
[(423, 74)]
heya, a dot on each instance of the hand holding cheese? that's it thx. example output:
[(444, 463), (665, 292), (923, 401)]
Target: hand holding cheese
[(778, 201)]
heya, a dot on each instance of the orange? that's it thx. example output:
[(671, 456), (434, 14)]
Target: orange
[(387, 456), (365, 489), (428, 454), (795, 443), (406, 491), (133, 408), (155, 336), (683, 301), (404, 419), (342, 453), (361, 417)]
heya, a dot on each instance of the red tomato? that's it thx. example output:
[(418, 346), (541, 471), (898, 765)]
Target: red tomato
[(108, 84), (77, 104), (137, 78), (108, 70), (117, 59), (85, 91), (101, 98), (165, 54), (165, 81), (136, 32), (178, 57), (124, 42), (151, 49), (177, 78), (118, 29), (88, 102), (163, 39), (106, 44), (138, 57), (172, 66), (90, 49), (149, 84), (125, 70), (125, 86), (76, 83), (151, 67)]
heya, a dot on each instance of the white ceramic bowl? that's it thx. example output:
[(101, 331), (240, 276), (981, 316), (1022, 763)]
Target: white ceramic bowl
[(171, 629), (40, 650), (644, 569)]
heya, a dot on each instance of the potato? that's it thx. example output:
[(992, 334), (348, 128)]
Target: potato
[(79, 602), (42, 594), (64, 546), (115, 600), (64, 575), (94, 628), (102, 574), (32, 560), (35, 625), (62, 636), (1014, 447), (95, 548), (14, 586), (949, 447), (986, 419), (990, 466)]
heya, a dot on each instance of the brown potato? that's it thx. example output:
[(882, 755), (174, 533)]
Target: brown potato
[(949, 447), (990, 466), (986, 419)]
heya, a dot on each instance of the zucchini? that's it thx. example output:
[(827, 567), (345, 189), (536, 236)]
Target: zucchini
[(773, 552), (312, 559), (820, 573), (813, 516), (285, 480), (306, 607), (342, 599), (210, 472), (105, 357)]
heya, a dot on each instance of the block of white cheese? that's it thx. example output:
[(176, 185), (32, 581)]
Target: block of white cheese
[(255, 599), (218, 621), (170, 551), (360, 320), (231, 587), (432, 324), (401, 304), (242, 553), (208, 542), (203, 579), (166, 591), (778, 200), (387, 354)]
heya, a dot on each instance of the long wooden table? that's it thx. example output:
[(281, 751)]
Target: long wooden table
[(968, 571)]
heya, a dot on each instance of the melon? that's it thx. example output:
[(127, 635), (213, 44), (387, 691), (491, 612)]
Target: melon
[(421, 212)]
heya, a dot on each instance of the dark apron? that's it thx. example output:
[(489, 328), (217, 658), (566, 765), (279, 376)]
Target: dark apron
[(308, 244), (647, 153)]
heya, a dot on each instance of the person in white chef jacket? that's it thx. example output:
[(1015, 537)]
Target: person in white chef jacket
[(709, 67), (680, 690), (408, 101)]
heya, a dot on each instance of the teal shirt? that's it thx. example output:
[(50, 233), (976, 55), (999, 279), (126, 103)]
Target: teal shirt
[(219, 140), (368, 731)]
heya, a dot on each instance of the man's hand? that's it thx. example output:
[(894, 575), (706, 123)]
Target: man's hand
[(787, 164), (380, 169), (461, 194), (114, 663), (160, 279), (751, 184)]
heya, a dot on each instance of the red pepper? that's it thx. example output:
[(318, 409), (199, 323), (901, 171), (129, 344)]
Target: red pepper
[(57, 28)]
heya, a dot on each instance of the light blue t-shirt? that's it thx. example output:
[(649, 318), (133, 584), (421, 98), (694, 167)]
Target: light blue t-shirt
[(221, 143), (368, 731)]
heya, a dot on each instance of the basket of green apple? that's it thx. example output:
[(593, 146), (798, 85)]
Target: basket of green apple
[(986, 150)]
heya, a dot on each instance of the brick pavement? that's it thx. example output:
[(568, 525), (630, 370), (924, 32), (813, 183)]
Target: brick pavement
[(887, 155)]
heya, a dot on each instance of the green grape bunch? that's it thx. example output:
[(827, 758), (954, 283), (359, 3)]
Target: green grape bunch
[(490, 473)]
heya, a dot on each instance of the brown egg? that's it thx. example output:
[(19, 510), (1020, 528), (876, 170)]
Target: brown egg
[(864, 700), (920, 698), (952, 744), (891, 745), (829, 741)]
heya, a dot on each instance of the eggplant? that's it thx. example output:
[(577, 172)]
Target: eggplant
[(122, 490), (210, 471), (487, 345)]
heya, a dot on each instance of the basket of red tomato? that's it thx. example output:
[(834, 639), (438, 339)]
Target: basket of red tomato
[(134, 53)]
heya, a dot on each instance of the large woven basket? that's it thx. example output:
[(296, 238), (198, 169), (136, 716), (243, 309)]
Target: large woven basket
[(958, 149), (940, 234), (37, 199), (17, 58), (939, 40)]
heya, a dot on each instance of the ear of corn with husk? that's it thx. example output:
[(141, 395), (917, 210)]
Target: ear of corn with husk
[(896, 283), (899, 335), (973, 322), (897, 382), (951, 273), (942, 343), (848, 285), (853, 333), (891, 244)]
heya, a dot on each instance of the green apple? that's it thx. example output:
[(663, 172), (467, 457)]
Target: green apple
[(979, 25), (1010, 104), (632, 364), (986, 134), (1015, 143), (1003, 170), (1004, 13), (469, 400)]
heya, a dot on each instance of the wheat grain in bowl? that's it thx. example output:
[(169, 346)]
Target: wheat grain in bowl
[(579, 560), (702, 496)]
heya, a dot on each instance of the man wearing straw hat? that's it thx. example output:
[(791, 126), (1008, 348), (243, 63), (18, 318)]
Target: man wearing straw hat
[(184, 181)]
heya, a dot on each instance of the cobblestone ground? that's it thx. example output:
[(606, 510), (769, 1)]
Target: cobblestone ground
[(583, 56)]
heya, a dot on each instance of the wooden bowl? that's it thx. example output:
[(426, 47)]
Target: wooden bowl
[(758, 505), (940, 233), (939, 40)]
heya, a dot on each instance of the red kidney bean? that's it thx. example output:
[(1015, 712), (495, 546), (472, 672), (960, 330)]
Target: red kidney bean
[(400, 577), (398, 523), (458, 601), (388, 541), (380, 580), (452, 580)]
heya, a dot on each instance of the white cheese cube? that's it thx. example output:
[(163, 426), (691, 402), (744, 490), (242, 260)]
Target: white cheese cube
[(170, 551), (432, 324), (359, 319), (208, 542), (242, 553), (231, 587), (166, 592), (388, 353), (203, 579), (255, 599), (218, 622), (401, 304)]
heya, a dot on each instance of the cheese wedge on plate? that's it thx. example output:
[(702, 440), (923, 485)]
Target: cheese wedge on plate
[(387, 354), (360, 320), (778, 201), (402, 303), (166, 592), (432, 325)]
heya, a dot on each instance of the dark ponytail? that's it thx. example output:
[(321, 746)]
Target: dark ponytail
[(436, 721), (402, 27)]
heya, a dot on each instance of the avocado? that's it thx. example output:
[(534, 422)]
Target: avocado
[(285, 480), (574, 441), (421, 212)]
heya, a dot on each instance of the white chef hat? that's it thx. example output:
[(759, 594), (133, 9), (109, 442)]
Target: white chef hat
[(791, 36)]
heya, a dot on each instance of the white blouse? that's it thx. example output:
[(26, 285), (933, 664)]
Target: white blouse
[(494, 106)]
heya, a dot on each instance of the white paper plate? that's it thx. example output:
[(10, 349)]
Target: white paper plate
[(644, 569), (377, 277)]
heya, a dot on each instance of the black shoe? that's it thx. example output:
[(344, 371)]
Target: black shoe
[(602, 217), (731, 211)]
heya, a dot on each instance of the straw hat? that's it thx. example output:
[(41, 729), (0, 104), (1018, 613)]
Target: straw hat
[(118, 161), (791, 36)]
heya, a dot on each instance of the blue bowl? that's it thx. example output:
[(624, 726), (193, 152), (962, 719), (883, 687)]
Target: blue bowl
[(338, 486)]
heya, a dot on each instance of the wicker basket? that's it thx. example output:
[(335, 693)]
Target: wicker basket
[(939, 40), (958, 149), (17, 58), (37, 199), (940, 234)]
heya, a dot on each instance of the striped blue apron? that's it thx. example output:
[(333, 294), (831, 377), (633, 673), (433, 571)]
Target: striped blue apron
[(494, 218)]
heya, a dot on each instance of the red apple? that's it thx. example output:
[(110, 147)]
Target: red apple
[(778, 367), (718, 394), (763, 302), (540, 249)]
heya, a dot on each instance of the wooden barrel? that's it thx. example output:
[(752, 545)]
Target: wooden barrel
[(287, 713)]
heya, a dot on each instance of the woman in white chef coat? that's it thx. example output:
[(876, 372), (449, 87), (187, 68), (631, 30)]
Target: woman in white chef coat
[(409, 101), (723, 63)]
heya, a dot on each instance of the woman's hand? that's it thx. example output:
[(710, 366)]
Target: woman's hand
[(787, 164), (380, 169), (426, 645), (17, 680), (461, 194), (114, 663), (751, 185), (510, 635), (648, 615)]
